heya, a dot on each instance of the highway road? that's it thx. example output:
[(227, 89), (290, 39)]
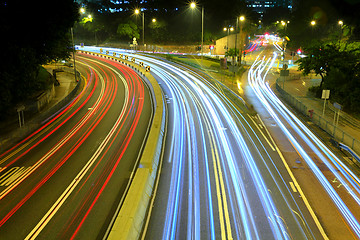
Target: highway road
[(331, 187), (229, 173), (66, 179), (222, 177)]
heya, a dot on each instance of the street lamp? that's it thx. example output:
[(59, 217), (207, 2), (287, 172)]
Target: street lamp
[(193, 6), (242, 19), (228, 29), (154, 20), (137, 12), (313, 23)]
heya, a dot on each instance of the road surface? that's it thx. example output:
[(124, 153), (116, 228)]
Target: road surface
[(66, 179)]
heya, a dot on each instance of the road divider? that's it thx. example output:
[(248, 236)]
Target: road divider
[(130, 217)]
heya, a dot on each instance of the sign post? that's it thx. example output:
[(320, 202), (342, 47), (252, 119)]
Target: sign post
[(336, 119), (325, 95), (20, 109)]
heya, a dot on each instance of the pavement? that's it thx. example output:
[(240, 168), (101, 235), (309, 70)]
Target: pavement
[(9, 129), (346, 128), (67, 84)]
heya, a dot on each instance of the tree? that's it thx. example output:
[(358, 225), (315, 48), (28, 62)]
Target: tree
[(320, 59), (128, 30), (35, 32)]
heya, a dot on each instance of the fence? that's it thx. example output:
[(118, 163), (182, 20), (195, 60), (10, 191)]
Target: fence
[(333, 130)]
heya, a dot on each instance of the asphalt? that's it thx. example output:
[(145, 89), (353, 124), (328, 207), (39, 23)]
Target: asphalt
[(89, 153)]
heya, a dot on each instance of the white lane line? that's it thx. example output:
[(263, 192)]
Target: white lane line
[(56, 206)]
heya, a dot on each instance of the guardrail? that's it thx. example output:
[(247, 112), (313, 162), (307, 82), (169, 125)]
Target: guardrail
[(333, 130), (349, 150), (129, 221)]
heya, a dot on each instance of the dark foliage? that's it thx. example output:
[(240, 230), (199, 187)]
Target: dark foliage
[(33, 33)]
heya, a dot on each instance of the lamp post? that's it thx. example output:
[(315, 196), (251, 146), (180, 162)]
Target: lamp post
[(242, 19), (228, 29), (341, 23), (193, 6), (137, 12)]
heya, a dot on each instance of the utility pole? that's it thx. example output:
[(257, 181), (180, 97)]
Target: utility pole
[(72, 38)]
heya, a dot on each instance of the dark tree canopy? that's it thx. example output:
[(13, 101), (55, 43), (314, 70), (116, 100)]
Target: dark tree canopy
[(33, 33)]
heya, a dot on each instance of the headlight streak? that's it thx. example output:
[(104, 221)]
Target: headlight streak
[(278, 228), (266, 96), (219, 124)]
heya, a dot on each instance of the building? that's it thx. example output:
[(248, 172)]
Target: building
[(260, 6)]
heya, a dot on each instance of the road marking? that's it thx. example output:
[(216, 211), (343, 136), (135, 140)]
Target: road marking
[(220, 191), (257, 126), (60, 201), (12, 174), (293, 186), (306, 202)]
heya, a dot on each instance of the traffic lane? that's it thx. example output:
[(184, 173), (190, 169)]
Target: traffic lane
[(84, 226), (329, 214), (180, 231), (324, 162), (273, 182), (326, 216), (46, 170), (87, 96), (292, 209), (183, 223), (129, 134)]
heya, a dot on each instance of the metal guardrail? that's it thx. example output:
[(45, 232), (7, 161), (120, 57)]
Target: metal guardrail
[(349, 150), (333, 130)]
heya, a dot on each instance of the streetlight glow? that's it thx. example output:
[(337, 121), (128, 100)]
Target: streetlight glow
[(193, 5), (313, 23), (341, 22), (137, 11), (242, 18), (153, 20), (231, 29), (82, 10)]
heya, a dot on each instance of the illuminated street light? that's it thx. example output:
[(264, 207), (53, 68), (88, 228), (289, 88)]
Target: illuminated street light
[(340, 22), (137, 12), (193, 6), (242, 18), (82, 10), (154, 20), (313, 23)]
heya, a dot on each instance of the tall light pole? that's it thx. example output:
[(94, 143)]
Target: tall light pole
[(341, 24), (137, 12), (228, 29), (193, 6), (242, 19)]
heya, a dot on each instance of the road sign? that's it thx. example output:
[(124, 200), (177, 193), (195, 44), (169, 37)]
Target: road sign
[(337, 105), (325, 94), (284, 73)]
